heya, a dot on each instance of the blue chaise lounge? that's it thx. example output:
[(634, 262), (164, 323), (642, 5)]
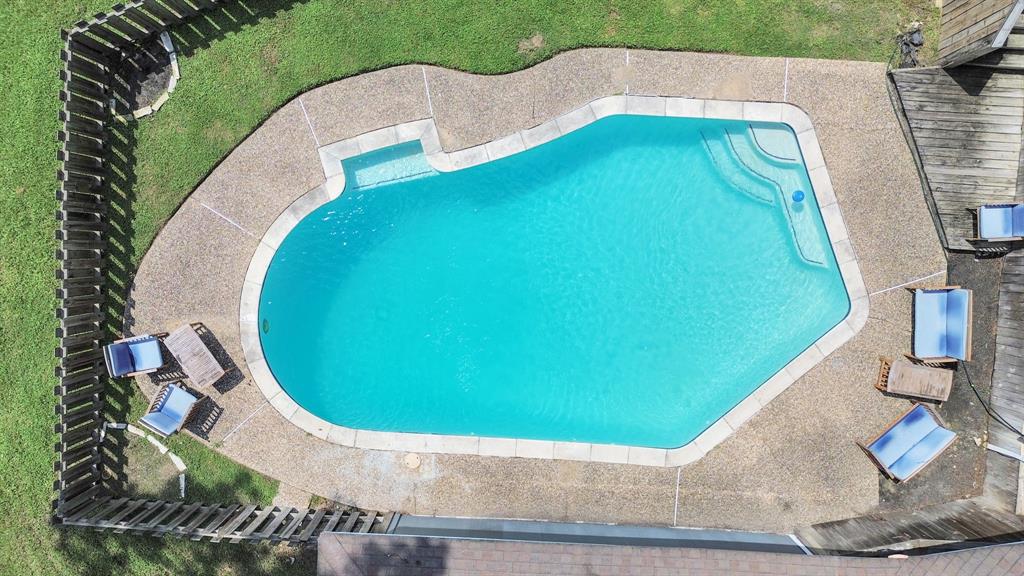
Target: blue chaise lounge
[(942, 324), (133, 356), (1001, 222), (909, 444), (170, 410)]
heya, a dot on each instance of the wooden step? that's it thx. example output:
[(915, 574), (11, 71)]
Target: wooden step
[(1001, 59), (1015, 41)]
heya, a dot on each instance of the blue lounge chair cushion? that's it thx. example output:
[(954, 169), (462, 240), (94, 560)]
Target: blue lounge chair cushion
[(957, 319), (903, 436), (146, 353), (941, 323), (120, 358), (922, 453), (170, 413), (161, 423), (996, 221), (177, 403), (1018, 220)]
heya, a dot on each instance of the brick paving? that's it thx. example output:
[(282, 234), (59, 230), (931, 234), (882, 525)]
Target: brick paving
[(344, 554)]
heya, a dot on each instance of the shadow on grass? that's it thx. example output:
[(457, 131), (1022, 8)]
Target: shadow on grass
[(209, 478), (98, 554), (202, 30), (194, 34), (237, 487)]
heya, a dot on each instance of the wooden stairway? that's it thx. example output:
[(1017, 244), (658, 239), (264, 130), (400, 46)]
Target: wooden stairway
[(1009, 57)]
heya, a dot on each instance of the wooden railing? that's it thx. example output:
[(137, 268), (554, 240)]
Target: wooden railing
[(972, 28), (92, 53)]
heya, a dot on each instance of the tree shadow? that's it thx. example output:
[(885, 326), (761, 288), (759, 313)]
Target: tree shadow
[(100, 554), (239, 488)]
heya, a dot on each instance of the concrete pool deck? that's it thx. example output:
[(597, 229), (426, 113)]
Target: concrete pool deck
[(792, 463), (425, 133)]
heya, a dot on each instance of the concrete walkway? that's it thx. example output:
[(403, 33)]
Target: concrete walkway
[(793, 463)]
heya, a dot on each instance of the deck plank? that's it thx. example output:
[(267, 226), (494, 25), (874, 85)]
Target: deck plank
[(966, 125)]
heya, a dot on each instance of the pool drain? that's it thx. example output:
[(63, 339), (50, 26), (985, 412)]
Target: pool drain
[(412, 461)]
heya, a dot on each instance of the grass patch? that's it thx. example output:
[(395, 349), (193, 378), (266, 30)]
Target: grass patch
[(234, 79)]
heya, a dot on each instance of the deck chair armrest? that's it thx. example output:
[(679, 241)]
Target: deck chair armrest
[(938, 361), (140, 373), (912, 287), (885, 471), (934, 414), (881, 384), (191, 412), (160, 394)]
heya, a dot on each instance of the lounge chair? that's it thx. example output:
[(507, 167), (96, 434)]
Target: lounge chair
[(171, 408), (942, 324), (133, 356), (1000, 222), (195, 358), (905, 378), (909, 444)]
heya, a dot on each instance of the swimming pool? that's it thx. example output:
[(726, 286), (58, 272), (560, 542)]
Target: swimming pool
[(627, 283)]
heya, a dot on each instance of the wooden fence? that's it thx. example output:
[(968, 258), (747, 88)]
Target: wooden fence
[(91, 54)]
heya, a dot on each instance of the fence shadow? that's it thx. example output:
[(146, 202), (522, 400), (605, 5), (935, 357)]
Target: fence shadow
[(96, 554), (227, 18), (122, 253)]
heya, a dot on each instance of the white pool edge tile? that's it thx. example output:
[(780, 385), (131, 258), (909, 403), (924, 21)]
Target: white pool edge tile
[(425, 130)]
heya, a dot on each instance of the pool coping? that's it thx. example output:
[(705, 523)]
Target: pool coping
[(425, 130)]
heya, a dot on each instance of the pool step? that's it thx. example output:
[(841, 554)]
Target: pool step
[(398, 163), (738, 176), (786, 177)]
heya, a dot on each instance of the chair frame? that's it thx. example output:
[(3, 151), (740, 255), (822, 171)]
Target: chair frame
[(942, 360), (160, 395), (885, 366), (159, 336), (977, 225), (883, 374), (885, 471)]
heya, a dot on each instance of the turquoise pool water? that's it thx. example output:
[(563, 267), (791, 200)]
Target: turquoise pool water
[(627, 283)]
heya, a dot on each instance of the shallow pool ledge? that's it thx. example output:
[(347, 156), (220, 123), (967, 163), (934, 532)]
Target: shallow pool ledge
[(426, 132)]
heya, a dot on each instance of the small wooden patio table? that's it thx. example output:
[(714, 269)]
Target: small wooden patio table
[(905, 378), (195, 358)]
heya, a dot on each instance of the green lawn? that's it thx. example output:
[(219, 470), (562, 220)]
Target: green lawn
[(243, 68)]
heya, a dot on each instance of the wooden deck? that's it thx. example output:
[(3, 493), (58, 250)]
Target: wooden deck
[(1003, 475), (966, 128), (973, 28), (948, 526)]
